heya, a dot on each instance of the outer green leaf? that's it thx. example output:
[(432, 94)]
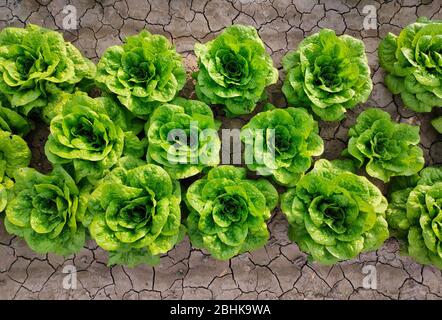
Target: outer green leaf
[(437, 124)]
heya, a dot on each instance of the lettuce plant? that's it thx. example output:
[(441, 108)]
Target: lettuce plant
[(88, 135), (14, 154), (145, 72), (228, 212), (413, 63), (37, 64), (234, 70), (134, 213), (334, 214), (182, 137), (45, 210), (328, 73), (415, 215), (386, 148), (11, 121), (282, 142), (437, 124)]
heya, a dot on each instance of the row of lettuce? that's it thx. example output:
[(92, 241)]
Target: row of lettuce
[(113, 181)]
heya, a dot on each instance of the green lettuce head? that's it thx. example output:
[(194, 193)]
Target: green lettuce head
[(334, 214), (89, 135), (282, 143), (386, 148), (183, 138), (36, 64), (45, 211), (327, 73), (135, 213), (415, 215), (145, 72), (229, 213), (234, 70), (14, 154), (413, 62)]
